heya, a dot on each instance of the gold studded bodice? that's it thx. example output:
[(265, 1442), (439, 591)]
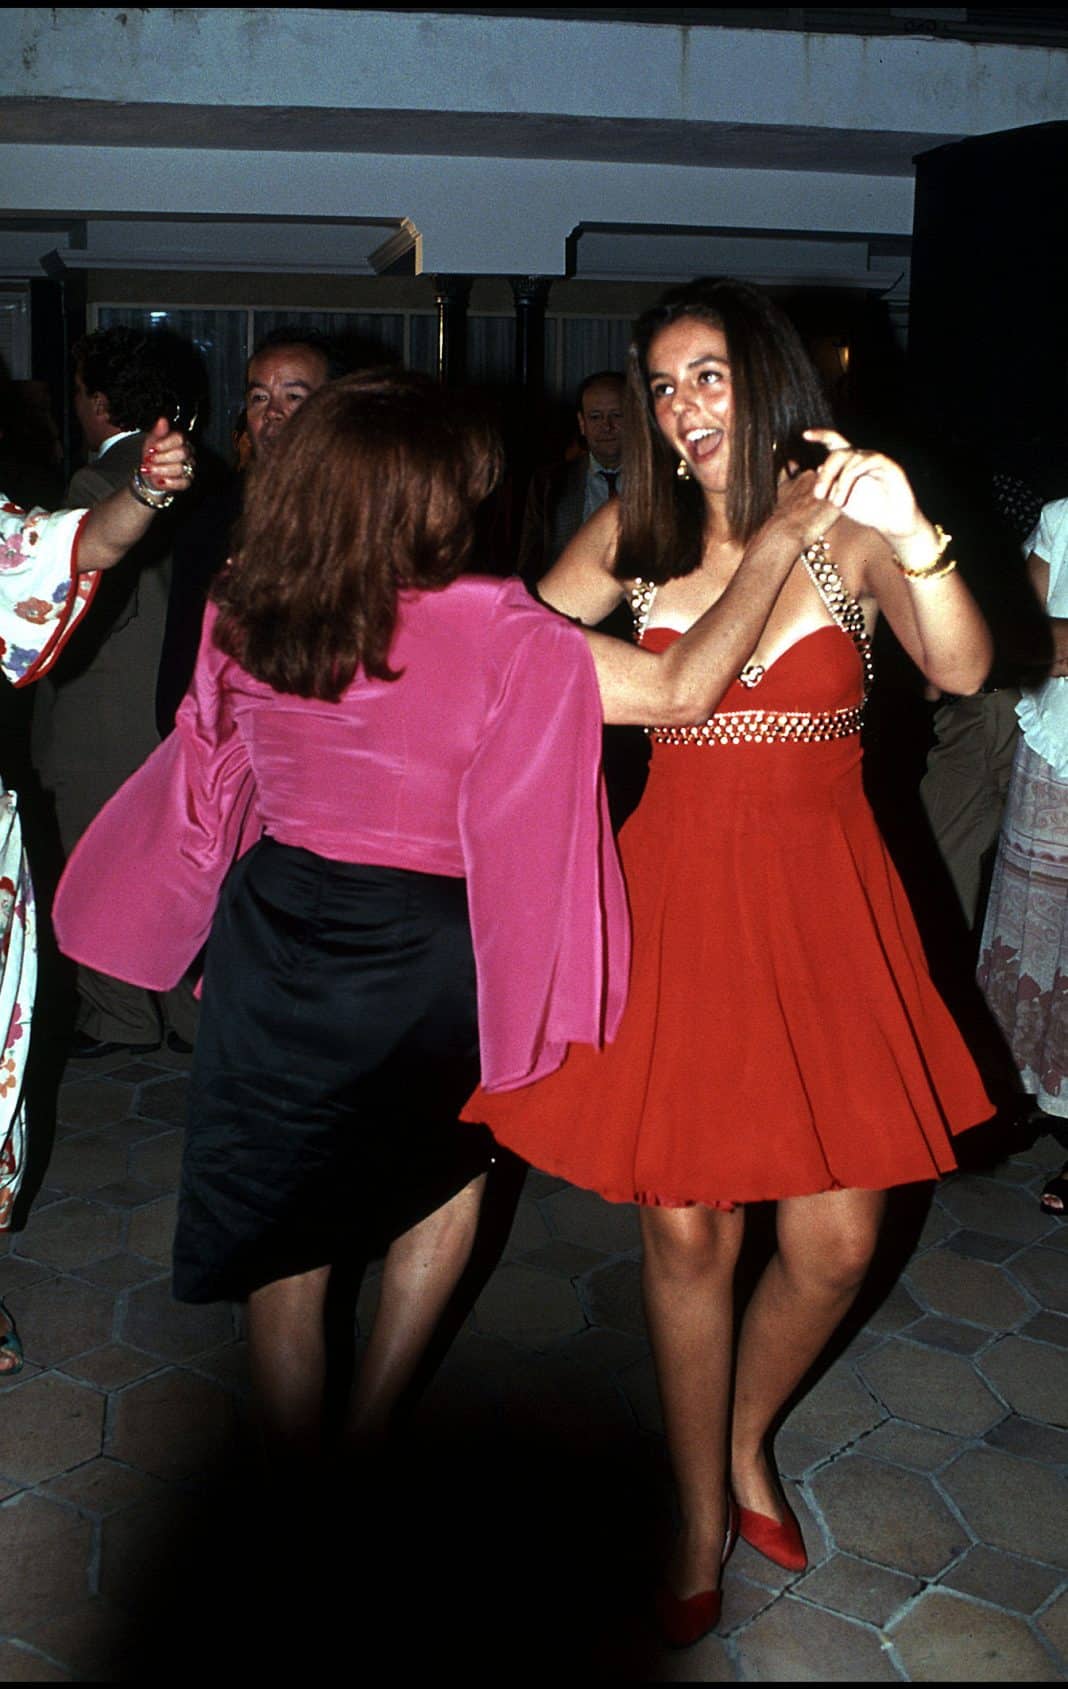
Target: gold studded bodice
[(756, 726)]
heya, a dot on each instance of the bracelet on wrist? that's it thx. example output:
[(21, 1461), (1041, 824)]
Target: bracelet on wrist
[(146, 494), (933, 570)]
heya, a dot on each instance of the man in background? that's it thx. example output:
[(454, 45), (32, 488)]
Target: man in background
[(94, 719), (564, 495), (561, 498), (288, 365)]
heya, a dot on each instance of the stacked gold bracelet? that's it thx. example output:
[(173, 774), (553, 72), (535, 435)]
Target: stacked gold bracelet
[(936, 567), (145, 493)]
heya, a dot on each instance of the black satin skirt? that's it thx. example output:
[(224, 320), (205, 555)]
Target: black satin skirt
[(338, 1040)]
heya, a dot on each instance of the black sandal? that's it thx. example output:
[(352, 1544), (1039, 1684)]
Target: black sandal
[(1054, 1198)]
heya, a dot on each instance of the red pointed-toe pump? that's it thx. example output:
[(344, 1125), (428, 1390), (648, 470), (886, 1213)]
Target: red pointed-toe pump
[(684, 1620)]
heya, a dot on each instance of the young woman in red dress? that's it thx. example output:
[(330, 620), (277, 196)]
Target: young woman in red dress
[(782, 1039)]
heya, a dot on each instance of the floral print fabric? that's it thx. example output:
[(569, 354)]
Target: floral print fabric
[(1023, 964), (42, 599)]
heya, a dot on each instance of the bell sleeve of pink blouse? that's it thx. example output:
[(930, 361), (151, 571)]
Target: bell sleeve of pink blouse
[(139, 892), (548, 911)]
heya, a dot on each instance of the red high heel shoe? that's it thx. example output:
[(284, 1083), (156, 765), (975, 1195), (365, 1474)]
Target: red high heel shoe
[(779, 1540), (684, 1620)]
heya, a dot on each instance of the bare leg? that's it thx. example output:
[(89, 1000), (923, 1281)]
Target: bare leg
[(420, 1273), (688, 1283), (826, 1244), (287, 1361)]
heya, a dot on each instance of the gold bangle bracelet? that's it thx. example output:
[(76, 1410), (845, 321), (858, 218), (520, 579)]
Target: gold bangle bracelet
[(945, 568), (931, 570)]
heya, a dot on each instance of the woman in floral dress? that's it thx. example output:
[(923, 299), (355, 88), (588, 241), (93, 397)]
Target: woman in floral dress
[(49, 569), (1023, 963)]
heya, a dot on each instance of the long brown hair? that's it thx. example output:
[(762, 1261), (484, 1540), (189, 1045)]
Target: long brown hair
[(372, 490), (777, 395)]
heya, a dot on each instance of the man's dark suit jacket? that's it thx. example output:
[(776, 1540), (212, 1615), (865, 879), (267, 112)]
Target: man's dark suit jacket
[(552, 516)]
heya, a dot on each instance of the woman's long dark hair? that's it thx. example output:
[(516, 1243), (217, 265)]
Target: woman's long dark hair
[(777, 395), (374, 489)]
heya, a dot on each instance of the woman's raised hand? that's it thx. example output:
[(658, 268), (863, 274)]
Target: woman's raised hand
[(871, 488), (168, 458), (800, 508)]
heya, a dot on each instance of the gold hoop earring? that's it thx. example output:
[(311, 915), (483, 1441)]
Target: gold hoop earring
[(682, 470)]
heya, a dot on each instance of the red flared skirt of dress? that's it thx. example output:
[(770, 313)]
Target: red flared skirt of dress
[(782, 1035)]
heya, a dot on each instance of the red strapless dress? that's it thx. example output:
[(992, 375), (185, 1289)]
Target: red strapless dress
[(782, 1035)]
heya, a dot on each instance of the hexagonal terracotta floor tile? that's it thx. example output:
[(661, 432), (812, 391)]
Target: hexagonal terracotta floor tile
[(613, 1296), (967, 1290), (857, 1589), (157, 1161), (528, 1306), (1011, 1504), (111, 1366), (987, 1205), (174, 1425), (62, 1317), (931, 1387), (166, 1100), (72, 1234), (93, 1102), (151, 1233), (44, 1549), (1005, 1580), (529, 1229), (85, 1162), (1016, 1435), (795, 1642), (92, 1642), (583, 1217), (1044, 1272), (104, 1486), (1054, 1624), (887, 1515), (1031, 1377), (158, 1325), (897, 1310), (838, 1409), (50, 1425), (950, 1639), (914, 1446), (21, 1663)]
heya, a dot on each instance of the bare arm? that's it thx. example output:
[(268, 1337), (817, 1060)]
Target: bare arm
[(685, 683), (120, 520), (934, 616), (581, 583)]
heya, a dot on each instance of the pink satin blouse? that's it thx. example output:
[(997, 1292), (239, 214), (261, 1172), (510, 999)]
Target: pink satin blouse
[(482, 760)]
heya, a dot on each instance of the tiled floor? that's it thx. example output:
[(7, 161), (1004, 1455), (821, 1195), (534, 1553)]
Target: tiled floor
[(518, 1531)]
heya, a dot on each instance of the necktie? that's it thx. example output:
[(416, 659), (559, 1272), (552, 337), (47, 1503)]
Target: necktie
[(609, 477)]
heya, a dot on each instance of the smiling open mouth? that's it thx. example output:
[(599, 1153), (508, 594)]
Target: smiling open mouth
[(702, 443)]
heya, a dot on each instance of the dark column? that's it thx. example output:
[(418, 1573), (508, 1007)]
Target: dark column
[(988, 329), (57, 320), (452, 294), (531, 294)]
